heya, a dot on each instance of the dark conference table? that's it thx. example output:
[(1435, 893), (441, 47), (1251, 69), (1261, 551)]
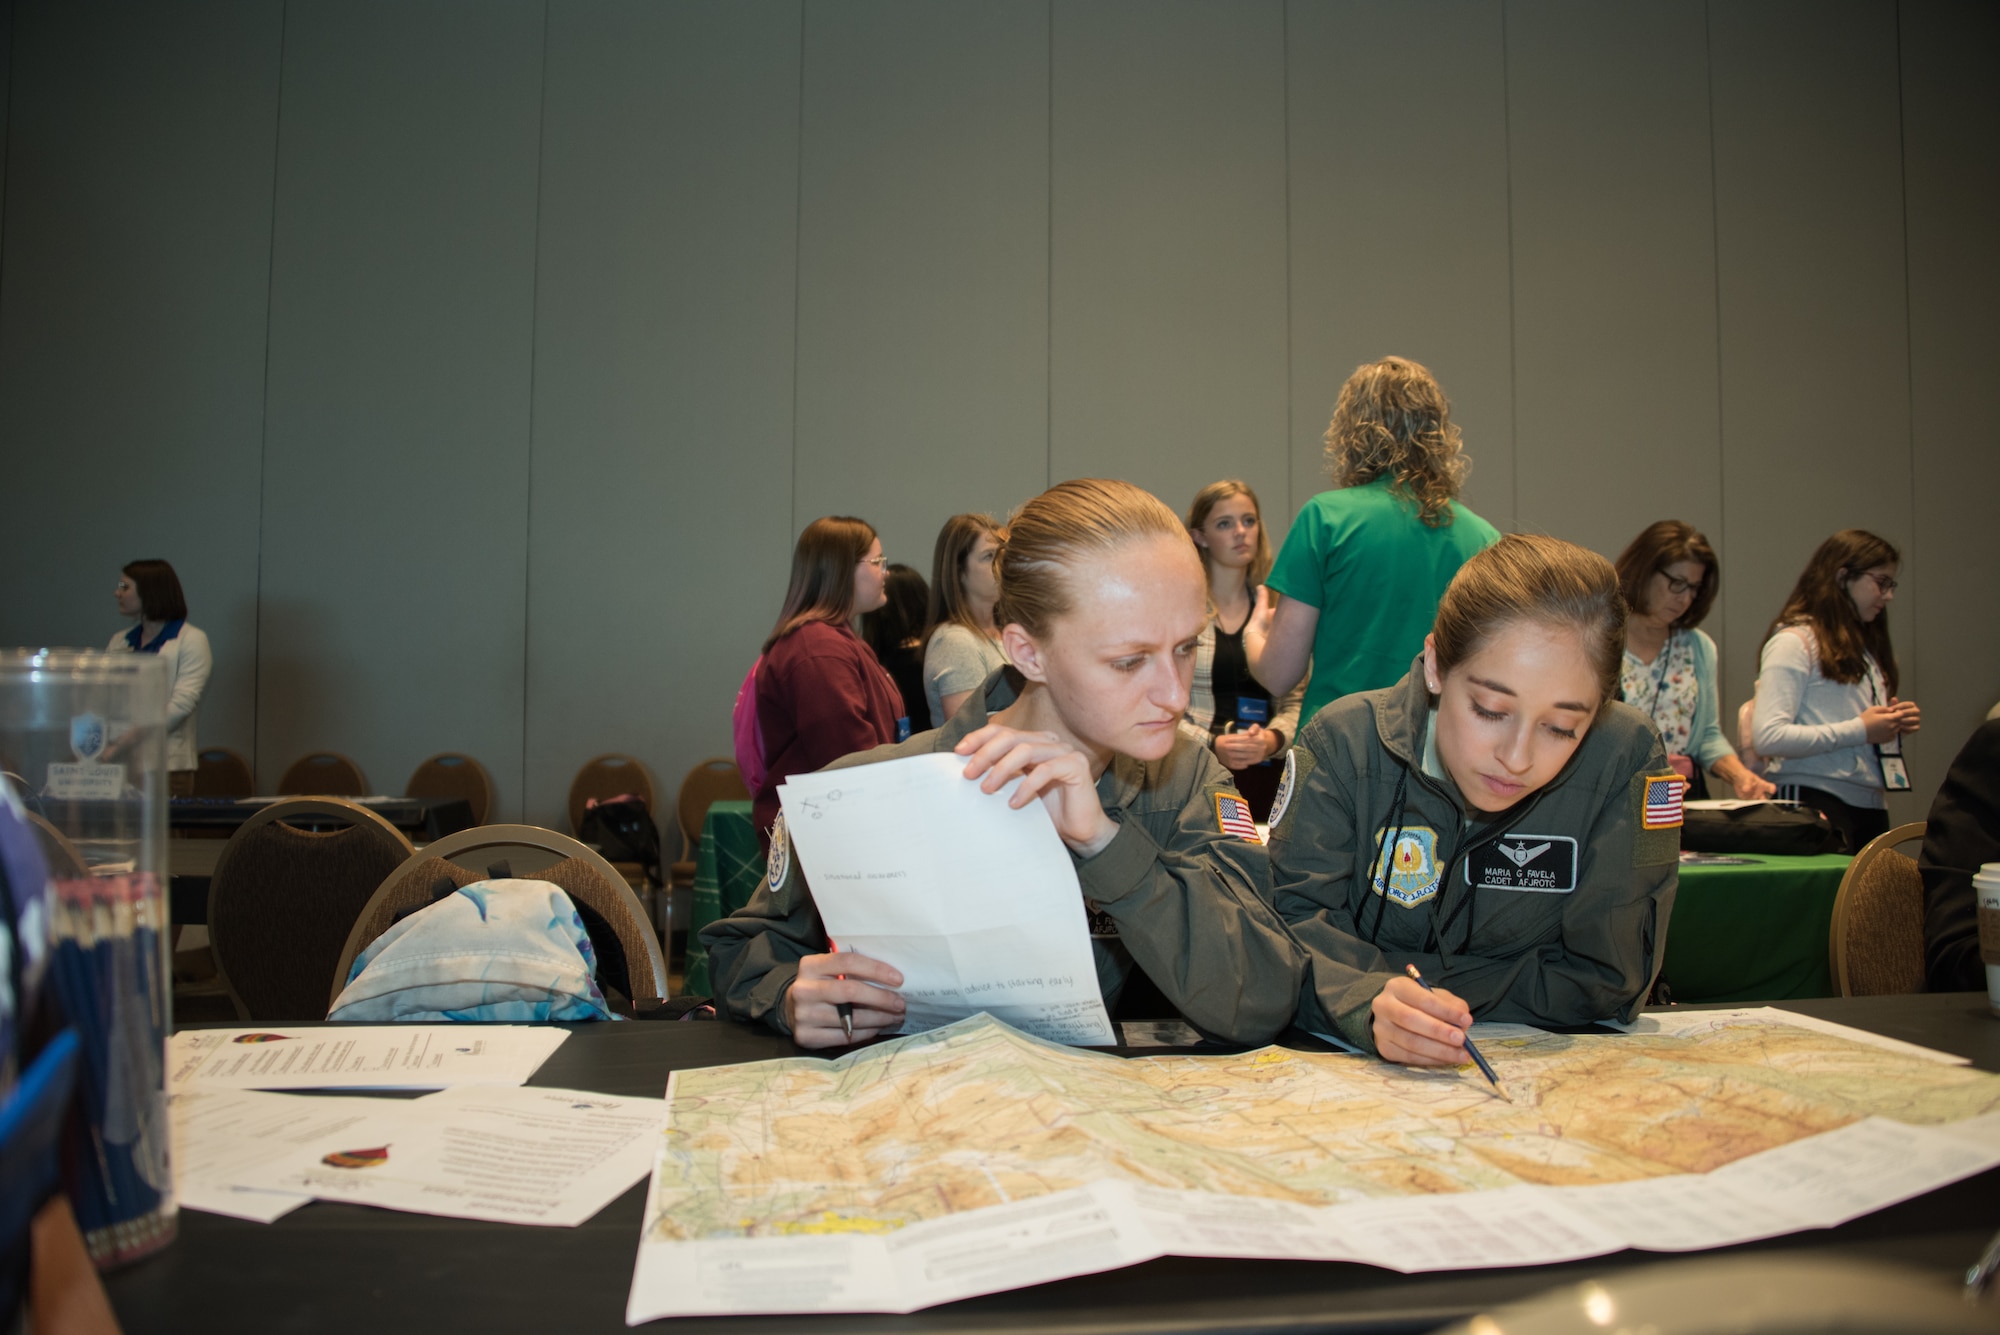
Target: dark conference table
[(338, 1267)]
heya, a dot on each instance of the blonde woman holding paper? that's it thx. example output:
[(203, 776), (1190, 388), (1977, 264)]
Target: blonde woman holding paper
[(1101, 601)]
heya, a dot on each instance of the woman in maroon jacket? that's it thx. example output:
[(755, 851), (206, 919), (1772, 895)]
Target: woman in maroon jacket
[(821, 692)]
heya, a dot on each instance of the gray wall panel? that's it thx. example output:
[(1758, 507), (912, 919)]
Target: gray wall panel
[(923, 264), (1168, 335), (1614, 271), (396, 475), (1399, 220), (137, 256), (1951, 123), (661, 525), (1815, 357)]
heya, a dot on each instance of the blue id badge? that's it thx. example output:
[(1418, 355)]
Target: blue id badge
[(1249, 709), (903, 728)]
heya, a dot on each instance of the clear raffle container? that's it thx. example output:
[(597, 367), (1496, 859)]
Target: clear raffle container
[(83, 736)]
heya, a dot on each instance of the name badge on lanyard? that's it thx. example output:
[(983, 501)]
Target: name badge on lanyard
[(1889, 754)]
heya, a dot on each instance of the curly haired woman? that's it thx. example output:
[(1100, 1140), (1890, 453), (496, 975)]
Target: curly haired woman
[(1362, 570)]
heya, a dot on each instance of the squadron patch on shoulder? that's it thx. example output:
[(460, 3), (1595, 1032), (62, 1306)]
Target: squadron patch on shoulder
[(1408, 873), (1282, 799), (1233, 816), (780, 860)]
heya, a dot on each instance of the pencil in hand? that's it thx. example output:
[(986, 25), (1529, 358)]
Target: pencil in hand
[(1470, 1051)]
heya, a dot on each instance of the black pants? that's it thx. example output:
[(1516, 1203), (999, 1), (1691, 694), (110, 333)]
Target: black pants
[(1855, 825)]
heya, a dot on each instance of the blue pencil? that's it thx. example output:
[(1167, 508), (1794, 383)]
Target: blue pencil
[(1470, 1051)]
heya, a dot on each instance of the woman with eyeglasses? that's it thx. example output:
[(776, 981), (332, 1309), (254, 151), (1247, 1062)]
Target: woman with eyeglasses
[(1827, 719), (821, 692), (1668, 576)]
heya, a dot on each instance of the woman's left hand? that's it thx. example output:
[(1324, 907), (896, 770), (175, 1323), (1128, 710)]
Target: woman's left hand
[(1752, 787), (1049, 768)]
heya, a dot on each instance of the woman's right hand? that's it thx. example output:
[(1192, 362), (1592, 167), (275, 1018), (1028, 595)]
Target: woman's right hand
[(1885, 723), (812, 1001), (1420, 1027)]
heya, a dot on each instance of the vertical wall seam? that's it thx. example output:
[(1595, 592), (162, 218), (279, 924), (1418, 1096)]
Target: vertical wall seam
[(1715, 266), (1909, 320), (534, 343), (264, 420), (1049, 275), (1513, 325), (7, 140), (1285, 92), (798, 258)]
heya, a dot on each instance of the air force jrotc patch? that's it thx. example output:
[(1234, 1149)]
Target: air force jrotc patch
[(1410, 866), (1282, 799), (780, 860), (1542, 863)]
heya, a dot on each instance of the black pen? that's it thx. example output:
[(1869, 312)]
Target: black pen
[(845, 1009), (1470, 1051)]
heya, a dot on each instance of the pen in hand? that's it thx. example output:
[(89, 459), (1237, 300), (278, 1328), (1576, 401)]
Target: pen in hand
[(1470, 1051), (845, 1009)]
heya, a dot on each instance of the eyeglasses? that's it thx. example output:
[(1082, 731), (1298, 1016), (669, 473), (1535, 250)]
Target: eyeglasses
[(877, 561), (1882, 582), (1677, 587)]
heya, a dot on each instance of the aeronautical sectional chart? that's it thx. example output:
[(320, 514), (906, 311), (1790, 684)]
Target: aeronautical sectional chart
[(974, 1158)]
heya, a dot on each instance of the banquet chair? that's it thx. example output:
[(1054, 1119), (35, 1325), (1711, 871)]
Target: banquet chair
[(609, 775), (325, 774), (221, 772), (64, 862), (284, 897), (713, 780), (1877, 941), (449, 774), (628, 953)]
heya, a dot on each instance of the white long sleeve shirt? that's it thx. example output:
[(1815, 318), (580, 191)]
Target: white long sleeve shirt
[(188, 665), (1808, 727)]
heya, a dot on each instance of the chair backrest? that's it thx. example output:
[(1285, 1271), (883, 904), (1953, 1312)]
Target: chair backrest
[(583, 874), (449, 774), (1877, 940), (325, 774), (221, 772), (64, 861), (283, 899), (607, 776), (716, 779)]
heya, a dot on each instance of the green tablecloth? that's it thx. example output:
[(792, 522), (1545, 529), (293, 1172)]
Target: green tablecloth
[(1754, 933), (728, 864)]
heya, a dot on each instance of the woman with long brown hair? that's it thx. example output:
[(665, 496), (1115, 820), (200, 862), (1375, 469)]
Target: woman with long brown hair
[(962, 643), (1828, 721), (821, 692), (1361, 570)]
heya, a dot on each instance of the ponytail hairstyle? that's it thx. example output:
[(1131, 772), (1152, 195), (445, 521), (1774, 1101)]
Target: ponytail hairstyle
[(1393, 419), (1669, 542), (159, 589), (1820, 602), (955, 541), (823, 563), (1071, 524), (1214, 494), (1552, 583)]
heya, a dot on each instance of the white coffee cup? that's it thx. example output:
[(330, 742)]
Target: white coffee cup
[(1986, 888)]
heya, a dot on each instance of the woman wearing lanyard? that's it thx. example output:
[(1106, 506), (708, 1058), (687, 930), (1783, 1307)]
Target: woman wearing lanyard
[(1229, 710), (150, 593), (1827, 719), (1668, 576)]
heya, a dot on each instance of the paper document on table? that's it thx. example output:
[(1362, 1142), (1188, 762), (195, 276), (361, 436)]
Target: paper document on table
[(516, 1156), (221, 1134), (976, 903), (352, 1056)]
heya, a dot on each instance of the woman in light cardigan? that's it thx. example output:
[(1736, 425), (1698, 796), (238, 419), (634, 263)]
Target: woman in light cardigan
[(150, 593), (1827, 721)]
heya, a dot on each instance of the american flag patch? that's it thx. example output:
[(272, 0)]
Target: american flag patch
[(1232, 816), (1662, 807)]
